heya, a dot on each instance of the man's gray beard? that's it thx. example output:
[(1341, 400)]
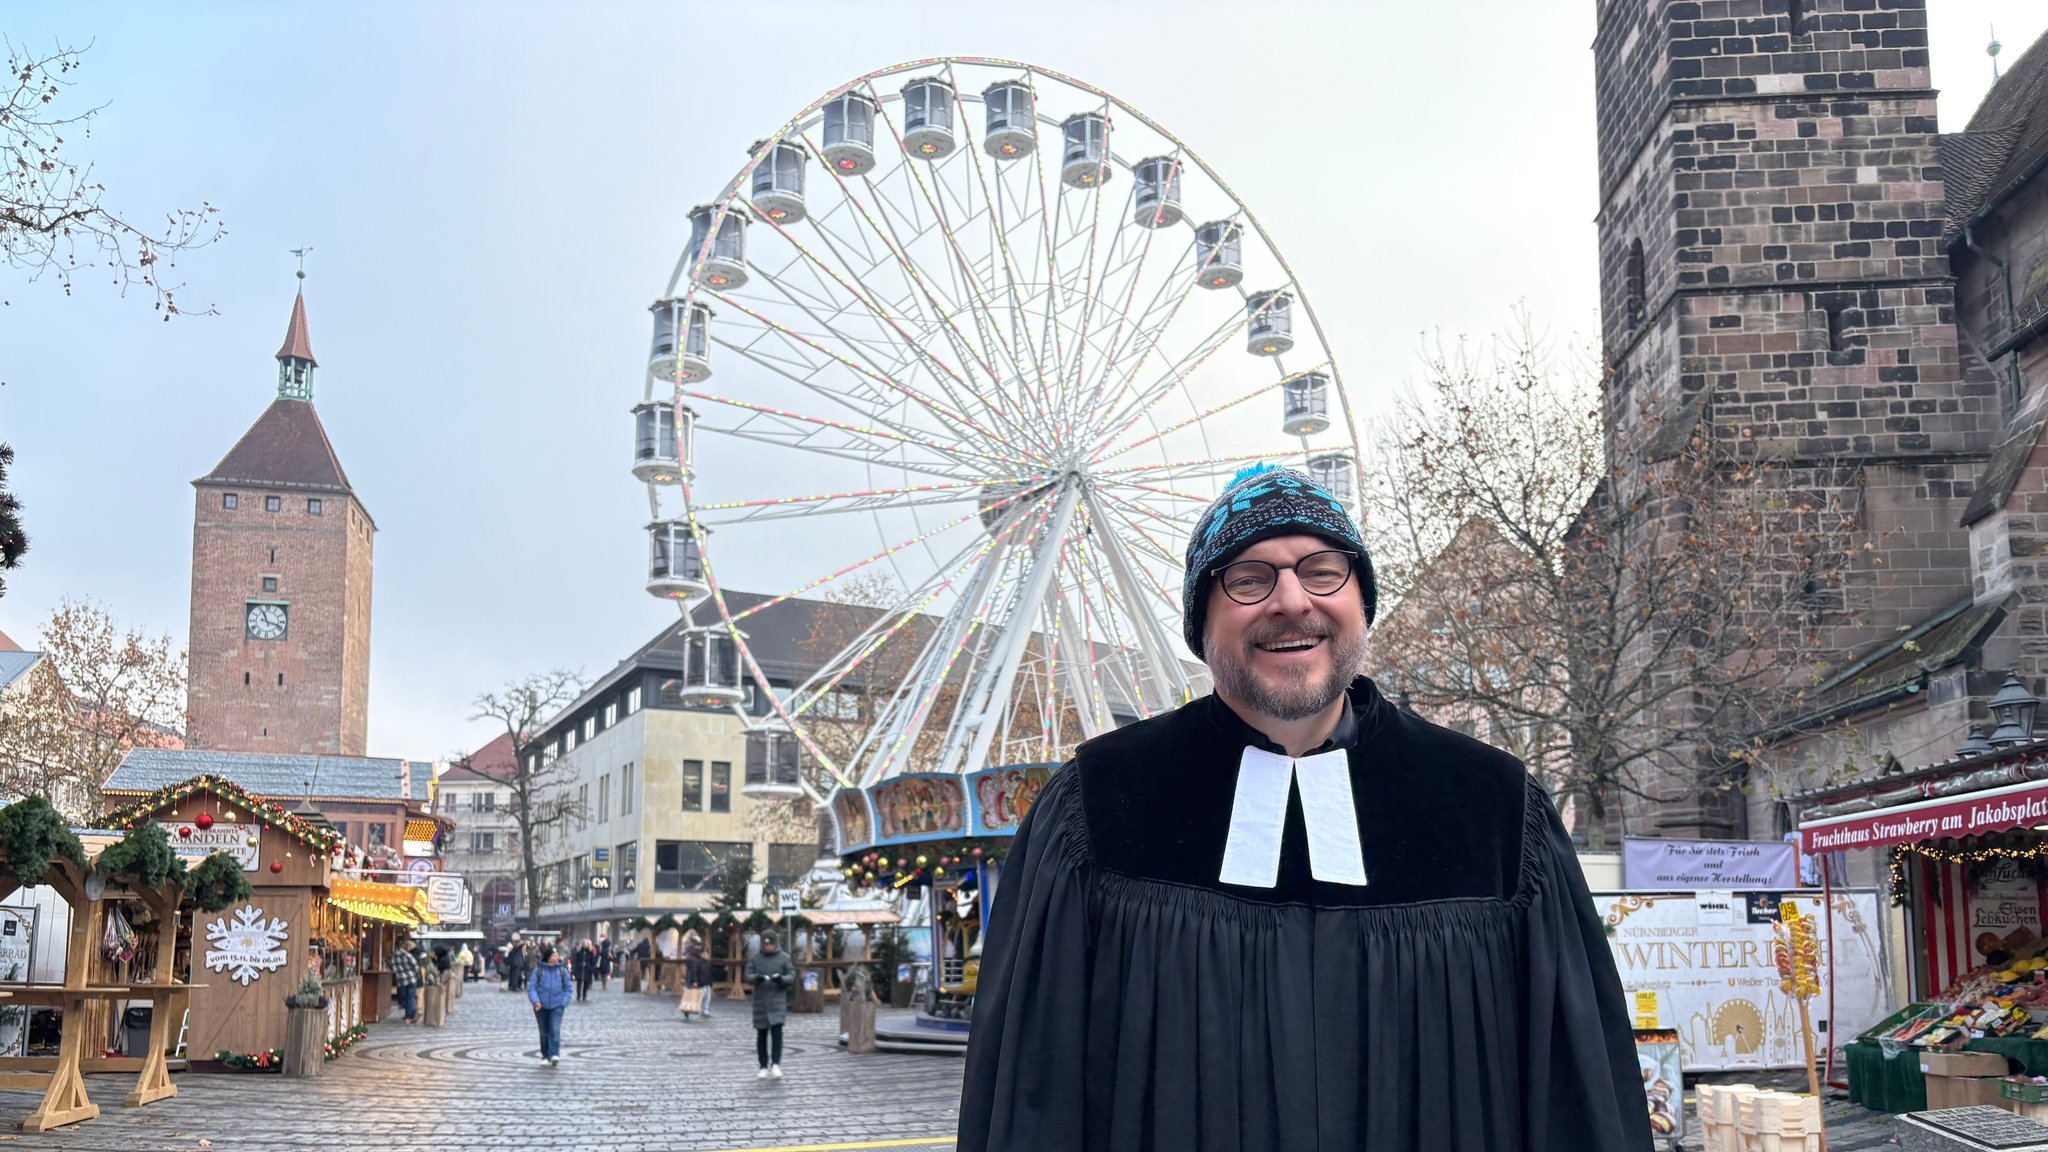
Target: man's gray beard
[(1298, 699)]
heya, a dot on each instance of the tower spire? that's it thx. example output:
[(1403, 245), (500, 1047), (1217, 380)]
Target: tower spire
[(295, 361)]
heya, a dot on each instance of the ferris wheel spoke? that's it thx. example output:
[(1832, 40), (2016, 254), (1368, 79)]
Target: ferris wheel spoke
[(972, 288), (807, 429), (838, 503), (854, 567), (943, 411), (1262, 390), (1140, 522), (998, 232), (1188, 469), (1142, 401), (1146, 335), (1071, 377)]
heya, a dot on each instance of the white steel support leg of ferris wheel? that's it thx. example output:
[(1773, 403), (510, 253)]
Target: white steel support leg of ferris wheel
[(990, 693), (1169, 675), (894, 738), (1078, 666)]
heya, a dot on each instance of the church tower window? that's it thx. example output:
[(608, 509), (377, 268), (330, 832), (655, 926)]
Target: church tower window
[(1632, 284)]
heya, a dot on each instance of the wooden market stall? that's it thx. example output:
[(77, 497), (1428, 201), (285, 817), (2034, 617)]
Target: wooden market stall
[(255, 953), (125, 894)]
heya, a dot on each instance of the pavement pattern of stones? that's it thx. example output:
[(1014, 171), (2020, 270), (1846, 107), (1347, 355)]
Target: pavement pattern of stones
[(634, 1078)]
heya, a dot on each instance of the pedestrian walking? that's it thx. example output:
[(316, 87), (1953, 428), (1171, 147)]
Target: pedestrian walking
[(519, 962), (1270, 864), (467, 960), (605, 956), (548, 991), (696, 979), (771, 973), (405, 978), (583, 964)]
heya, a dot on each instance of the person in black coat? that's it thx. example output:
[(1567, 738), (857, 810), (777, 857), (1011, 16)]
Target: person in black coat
[(583, 965)]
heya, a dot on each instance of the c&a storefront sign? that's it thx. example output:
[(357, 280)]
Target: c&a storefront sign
[(1993, 810)]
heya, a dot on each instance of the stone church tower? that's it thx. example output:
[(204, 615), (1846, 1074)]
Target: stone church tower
[(1772, 271), (280, 636)]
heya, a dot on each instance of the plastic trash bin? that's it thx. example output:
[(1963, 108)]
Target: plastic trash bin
[(136, 1020)]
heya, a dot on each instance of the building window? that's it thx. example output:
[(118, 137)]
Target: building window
[(1632, 284), (721, 786), (693, 785), (604, 797), (787, 864), (273, 503), (582, 802), (589, 728), (227, 499), (611, 714), (633, 700), (270, 583), (693, 865), (625, 864), (569, 740), (377, 834), (341, 829), (626, 790), (312, 507), (483, 843)]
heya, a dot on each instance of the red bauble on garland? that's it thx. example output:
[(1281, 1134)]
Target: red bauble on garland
[(204, 820), (184, 831), (277, 865)]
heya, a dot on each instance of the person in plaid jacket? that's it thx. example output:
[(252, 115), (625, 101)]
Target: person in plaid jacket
[(405, 979)]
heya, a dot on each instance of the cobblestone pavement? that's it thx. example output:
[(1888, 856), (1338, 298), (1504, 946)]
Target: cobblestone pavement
[(634, 1078), (1851, 1127)]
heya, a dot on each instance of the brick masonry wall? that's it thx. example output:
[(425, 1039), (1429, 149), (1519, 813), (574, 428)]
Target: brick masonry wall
[(305, 693), (1781, 179)]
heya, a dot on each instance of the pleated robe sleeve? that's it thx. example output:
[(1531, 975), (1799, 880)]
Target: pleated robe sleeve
[(1583, 1086), (1024, 1083)]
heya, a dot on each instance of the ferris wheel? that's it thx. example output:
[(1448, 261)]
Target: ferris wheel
[(990, 338)]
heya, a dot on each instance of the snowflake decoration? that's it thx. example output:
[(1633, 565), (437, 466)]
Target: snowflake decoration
[(248, 947)]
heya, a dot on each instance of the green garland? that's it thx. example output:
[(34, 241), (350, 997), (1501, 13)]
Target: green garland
[(142, 855), (345, 1041), (268, 1060), (262, 811), (32, 837), (216, 883)]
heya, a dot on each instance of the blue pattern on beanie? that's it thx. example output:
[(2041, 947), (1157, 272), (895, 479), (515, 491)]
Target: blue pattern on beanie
[(1261, 502)]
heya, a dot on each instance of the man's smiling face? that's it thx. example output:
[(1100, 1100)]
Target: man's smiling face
[(1291, 654)]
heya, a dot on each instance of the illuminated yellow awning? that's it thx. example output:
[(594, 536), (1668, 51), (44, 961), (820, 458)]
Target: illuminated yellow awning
[(390, 903), (423, 830)]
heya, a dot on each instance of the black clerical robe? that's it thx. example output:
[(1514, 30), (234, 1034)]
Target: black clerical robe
[(1462, 1000)]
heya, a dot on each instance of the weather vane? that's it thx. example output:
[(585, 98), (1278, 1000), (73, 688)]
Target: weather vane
[(301, 254)]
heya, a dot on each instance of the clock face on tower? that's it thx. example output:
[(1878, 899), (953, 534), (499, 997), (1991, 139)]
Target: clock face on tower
[(266, 621)]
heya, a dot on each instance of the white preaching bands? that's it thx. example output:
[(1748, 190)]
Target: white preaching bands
[(1258, 816)]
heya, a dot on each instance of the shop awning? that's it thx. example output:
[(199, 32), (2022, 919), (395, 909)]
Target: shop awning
[(390, 903), (824, 916), (1973, 814)]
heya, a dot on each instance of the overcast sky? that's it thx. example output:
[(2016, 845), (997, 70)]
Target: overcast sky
[(494, 192)]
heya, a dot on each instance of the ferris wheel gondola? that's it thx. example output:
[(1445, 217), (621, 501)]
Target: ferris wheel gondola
[(1021, 372)]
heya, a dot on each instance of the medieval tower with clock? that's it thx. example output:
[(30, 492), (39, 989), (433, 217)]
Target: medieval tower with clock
[(280, 639)]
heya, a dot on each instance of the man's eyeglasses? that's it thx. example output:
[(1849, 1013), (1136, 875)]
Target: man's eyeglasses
[(1251, 581)]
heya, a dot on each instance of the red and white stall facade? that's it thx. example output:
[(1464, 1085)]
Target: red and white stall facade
[(1964, 848)]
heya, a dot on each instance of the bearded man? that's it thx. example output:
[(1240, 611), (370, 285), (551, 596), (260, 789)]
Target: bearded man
[(1289, 917)]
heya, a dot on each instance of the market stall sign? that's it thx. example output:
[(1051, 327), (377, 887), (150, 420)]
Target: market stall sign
[(1993, 810), (242, 842), (1716, 984), (1740, 865)]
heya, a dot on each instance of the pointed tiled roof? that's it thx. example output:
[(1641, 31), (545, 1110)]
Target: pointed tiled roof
[(298, 345), (7, 643), (285, 448)]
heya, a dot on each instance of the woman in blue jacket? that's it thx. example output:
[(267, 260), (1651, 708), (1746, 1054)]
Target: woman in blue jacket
[(549, 990)]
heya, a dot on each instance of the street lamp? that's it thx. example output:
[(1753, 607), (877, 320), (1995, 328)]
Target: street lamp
[(1976, 745), (2014, 707)]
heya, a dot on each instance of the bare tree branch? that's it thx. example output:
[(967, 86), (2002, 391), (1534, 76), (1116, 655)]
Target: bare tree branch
[(52, 218), (539, 810)]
